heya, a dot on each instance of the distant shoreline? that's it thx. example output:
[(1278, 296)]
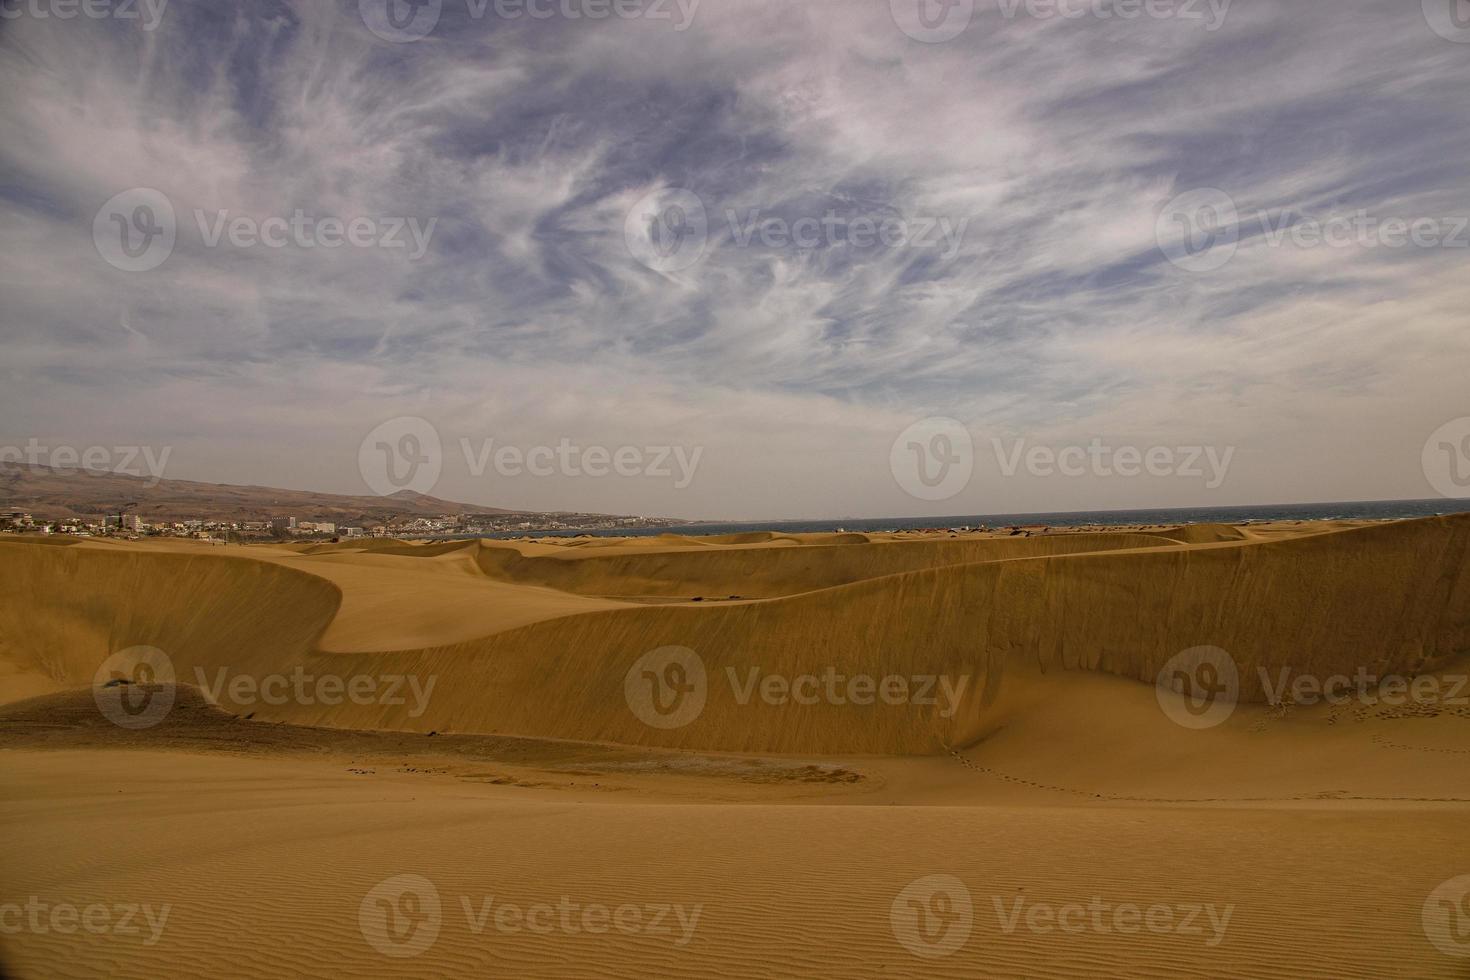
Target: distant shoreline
[(1379, 510)]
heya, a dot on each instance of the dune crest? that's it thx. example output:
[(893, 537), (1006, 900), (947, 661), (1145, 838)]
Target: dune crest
[(980, 621)]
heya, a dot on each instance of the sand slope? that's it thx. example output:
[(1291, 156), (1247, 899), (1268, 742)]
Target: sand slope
[(277, 854), (764, 571), (66, 610), (791, 831), (995, 614)]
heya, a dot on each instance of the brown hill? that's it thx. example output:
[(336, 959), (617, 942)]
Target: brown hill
[(51, 493)]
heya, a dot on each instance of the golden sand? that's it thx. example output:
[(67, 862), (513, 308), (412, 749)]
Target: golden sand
[(1041, 781)]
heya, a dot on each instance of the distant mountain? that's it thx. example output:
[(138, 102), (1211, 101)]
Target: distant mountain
[(52, 494)]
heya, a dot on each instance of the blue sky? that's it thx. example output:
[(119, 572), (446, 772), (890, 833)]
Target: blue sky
[(1053, 317)]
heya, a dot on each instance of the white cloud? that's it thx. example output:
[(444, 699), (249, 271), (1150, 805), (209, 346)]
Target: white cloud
[(1055, 142)]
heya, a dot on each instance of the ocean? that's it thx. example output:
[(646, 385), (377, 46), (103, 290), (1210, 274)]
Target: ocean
[(1365, 510)]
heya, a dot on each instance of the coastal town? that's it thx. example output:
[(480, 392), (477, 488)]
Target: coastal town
[(279, 528)]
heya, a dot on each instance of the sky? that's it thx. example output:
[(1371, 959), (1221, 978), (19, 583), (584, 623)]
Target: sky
[(745, 260)]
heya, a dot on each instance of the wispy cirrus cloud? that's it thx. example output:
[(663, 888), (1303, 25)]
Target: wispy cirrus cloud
[(1054, 143)]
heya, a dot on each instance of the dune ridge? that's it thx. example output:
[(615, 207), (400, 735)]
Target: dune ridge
[(1391, 599), (767, 572), (65, 610)]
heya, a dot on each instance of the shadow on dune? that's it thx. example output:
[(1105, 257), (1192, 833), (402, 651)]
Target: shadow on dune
[(993, 616)]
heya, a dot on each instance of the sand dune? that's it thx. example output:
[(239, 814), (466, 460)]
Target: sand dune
[(757, 570), (1392, 599), (1205, 533), (404, 598), (518, 645), (68, 609), (529, 773)]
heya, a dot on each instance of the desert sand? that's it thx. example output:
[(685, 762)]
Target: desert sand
[(902, 755)]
